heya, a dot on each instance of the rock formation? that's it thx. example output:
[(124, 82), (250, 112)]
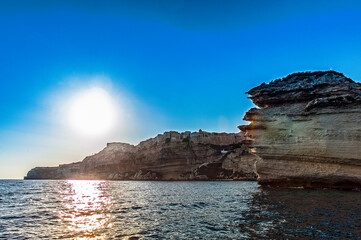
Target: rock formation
[(307, 130), (169, 156)]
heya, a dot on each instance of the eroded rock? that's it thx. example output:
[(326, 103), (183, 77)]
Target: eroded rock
[(307, 130)]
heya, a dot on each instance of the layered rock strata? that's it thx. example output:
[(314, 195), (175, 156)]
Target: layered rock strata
[(307, 130), (169, 156)]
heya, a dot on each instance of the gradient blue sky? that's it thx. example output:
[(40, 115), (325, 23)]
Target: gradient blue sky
[(172, 65)]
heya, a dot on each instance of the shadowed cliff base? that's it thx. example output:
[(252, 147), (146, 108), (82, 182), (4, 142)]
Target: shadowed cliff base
[(307, 131), (169, 156)]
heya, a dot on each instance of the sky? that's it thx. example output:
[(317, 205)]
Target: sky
[(157, 66)]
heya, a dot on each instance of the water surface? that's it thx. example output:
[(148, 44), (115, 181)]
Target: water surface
[(173, 210)]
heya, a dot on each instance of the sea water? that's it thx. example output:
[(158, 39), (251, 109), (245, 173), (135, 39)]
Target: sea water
[(75, 209)]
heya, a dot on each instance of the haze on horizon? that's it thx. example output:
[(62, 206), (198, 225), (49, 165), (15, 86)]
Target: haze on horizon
[(152, 66)]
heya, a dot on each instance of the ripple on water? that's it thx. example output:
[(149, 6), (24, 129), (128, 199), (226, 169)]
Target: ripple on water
[(174, 210)]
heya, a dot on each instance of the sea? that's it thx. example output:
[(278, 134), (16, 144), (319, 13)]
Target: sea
[(77, 209)]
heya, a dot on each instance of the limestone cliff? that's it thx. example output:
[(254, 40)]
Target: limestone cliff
[(307, 130), (169, 156)]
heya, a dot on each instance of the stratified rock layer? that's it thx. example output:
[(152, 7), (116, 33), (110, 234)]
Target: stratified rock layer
[(307, 130), (169, 156)]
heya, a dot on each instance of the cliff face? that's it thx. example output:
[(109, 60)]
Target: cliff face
[(307, 130), (169, 156)]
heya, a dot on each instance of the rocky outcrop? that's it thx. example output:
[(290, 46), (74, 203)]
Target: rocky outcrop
[(169, 156), (307, 130)]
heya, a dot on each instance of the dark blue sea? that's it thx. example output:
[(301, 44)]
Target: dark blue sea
[(72, 209)]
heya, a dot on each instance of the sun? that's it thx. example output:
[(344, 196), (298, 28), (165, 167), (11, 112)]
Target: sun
[(92, 112)]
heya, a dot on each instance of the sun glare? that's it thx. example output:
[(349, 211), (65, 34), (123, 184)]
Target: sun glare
[(92, 112)]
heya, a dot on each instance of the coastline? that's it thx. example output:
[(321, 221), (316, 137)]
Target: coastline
[(305, 133)]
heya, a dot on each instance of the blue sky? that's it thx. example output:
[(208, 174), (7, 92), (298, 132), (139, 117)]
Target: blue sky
[(171, 65)]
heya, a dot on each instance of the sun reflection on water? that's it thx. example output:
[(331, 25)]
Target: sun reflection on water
[(87, 209)]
